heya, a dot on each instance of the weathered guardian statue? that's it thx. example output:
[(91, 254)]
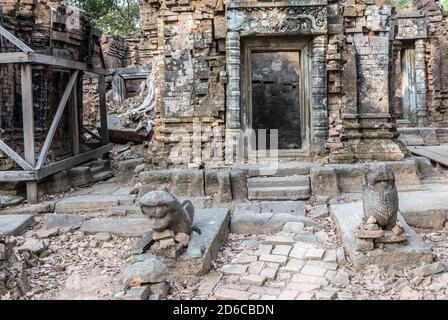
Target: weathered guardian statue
[(165, 212), (380, 196)]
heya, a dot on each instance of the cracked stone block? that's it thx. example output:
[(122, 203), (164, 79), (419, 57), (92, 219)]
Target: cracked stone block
[(243, 258), (234, 269), (269, 273), (292, 207), (282, 250), (429, 269), (264, 249), (287, 295), (15, 224), (274, 258), (294, 265), (330, 256), (61, 220), (231, 294), (137, 293), (325, 295), (303, 278), (256, 267), (303, 287), (314, 254), (209, 282), (126, 227), (313, 271), (253, 279), (276, 240), (323, 264), (298, 252)]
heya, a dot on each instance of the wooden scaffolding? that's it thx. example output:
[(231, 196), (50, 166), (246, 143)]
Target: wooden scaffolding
[(34, 169)]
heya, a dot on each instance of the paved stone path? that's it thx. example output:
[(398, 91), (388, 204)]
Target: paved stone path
[(283, 269)]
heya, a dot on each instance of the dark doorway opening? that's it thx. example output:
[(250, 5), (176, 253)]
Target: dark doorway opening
[(275, 79)]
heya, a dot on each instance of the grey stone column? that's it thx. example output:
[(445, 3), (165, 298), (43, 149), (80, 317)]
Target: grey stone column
[(233, 80), (420, 82), (319, 110)]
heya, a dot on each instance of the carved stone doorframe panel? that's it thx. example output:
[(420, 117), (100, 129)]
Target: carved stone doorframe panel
[(289, 18)]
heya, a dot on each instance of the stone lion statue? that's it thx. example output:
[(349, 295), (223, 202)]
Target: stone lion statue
[(380, 196), (165, 212)]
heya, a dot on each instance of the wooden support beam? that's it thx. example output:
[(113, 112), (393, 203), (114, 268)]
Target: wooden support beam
[(28, 127), (65, 63), (17, 176), (14, 156), (13, 57), (103, 111), (73, 161), (56, 120), (74, 120), (14, 40)]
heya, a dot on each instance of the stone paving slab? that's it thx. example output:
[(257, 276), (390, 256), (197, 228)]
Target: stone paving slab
[(126, 227), (91, 202), (348, 216), (427, 210), (15, 224), (61, 220)]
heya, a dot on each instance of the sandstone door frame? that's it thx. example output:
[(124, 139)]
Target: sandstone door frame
[(276, 44), (278, 19)]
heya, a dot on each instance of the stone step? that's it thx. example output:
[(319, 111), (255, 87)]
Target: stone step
[(291, 181), (279, 193), (92, 202), (15, 224)]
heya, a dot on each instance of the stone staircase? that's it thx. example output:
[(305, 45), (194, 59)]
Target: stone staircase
[(295, 187)]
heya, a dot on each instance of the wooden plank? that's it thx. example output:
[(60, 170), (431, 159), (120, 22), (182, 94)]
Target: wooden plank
[(14, 40), (73, 161), (13, 57), (103, 110), (17, 176), (28, 127), (74, 120), (65, 63), (14, 156), (56, 120)]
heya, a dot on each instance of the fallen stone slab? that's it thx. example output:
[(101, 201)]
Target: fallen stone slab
[(43, 207), (424, 209), (91, 202), (7, 201), (203, 248), (430, 269), (15, 224), (60, 220), (265, 223), (347, 218), (125, 227)]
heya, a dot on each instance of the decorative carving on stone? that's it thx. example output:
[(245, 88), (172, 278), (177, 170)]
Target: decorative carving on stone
[(411, 28), (165, 212), (297, 19), (380, 205)]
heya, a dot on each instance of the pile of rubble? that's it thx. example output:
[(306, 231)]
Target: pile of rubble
[(14, 261)]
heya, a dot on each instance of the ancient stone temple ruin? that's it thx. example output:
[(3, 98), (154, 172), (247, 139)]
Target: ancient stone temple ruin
[(334, 78), (228, 149)]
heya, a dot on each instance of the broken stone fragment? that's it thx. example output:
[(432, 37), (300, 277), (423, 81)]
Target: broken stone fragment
[(162, 288), (369, 234), (391, 237), (163, 235), (398, 229), (430, 269), (182, 238), (365, 245), (33, 245), (146, 269), (371, 220)]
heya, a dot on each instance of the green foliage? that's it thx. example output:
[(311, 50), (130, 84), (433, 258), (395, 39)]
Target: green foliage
[(119, 17), (402, 4)]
